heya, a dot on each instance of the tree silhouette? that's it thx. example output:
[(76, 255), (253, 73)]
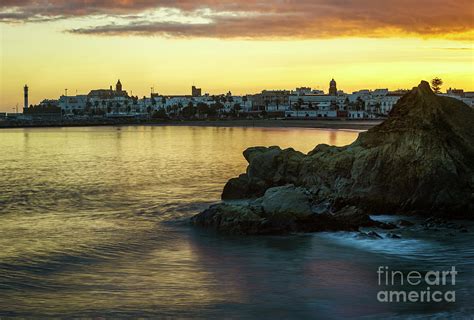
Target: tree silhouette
[(436, 84), (236, 109)]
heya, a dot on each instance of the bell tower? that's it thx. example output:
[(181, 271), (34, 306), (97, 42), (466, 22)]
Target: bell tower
[(332, 88), (118, 86)]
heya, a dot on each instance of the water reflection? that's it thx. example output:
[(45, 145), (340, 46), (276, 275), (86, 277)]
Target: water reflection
[(93, 224)]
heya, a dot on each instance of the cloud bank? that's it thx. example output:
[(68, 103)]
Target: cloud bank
[(254, 19)]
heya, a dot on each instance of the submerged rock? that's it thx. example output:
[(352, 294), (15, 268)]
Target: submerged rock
[(372, 235), (253, 218), (235, 219), (404, 223), (392, 235)]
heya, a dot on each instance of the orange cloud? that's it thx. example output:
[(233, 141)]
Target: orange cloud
[(310, 19)]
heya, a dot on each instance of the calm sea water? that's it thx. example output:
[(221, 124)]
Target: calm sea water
[(93, 223)]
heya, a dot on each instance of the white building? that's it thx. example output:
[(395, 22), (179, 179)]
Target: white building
[(311, 114), (71, 104), (387, 102), (354, 114)]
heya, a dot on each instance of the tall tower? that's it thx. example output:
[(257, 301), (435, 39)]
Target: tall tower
[(196, 92), (118, 86), (332, 88), (25, 92)]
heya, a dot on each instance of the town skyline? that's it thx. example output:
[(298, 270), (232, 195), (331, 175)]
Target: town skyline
[(242, 46), (305, 102), (35, 99)]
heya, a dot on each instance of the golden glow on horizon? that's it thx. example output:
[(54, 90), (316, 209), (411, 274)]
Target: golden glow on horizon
[(50, 60)]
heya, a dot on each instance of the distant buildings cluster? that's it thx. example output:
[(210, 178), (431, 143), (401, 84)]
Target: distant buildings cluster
[(302, 102)]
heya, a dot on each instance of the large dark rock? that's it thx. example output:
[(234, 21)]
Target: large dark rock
[(287, 201), (420, 160), (252, 219), (268, 167), (233, 219)]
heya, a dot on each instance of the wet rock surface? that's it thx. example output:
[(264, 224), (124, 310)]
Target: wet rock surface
[(392, 235), (252, 218), (287, 201), (419, 161), (368, 235)]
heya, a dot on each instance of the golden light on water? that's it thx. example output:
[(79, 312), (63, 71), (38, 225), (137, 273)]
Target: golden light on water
[(95, 219)]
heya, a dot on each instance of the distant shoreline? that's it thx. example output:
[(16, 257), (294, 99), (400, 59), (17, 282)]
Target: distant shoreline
[(310, 124), (262, 123)]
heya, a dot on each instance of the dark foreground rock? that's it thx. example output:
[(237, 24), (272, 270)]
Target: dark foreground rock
[(251, 220), (281, 210), (419, 161), (368, 235)]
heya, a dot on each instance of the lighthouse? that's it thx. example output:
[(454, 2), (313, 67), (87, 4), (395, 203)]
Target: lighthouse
[(25, 91)]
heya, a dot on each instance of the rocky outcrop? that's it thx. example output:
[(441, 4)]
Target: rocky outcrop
[(420, 160), (268, 167), (282, 210), (287, 201), (252, 220)]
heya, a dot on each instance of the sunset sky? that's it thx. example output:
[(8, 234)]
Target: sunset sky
[(243, 46)]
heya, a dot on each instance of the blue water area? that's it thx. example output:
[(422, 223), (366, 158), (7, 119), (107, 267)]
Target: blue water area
[(94, 223)]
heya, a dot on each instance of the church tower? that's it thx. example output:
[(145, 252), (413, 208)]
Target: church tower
[(118, 86), (332, 88)]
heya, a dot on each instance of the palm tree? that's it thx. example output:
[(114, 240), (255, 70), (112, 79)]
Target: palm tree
[(189, 111), (267, 103), (175, 109), (359, 103), (237, 109), (377, 108), (219, 106), (88, 107), (297, 107), (127, 107)]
